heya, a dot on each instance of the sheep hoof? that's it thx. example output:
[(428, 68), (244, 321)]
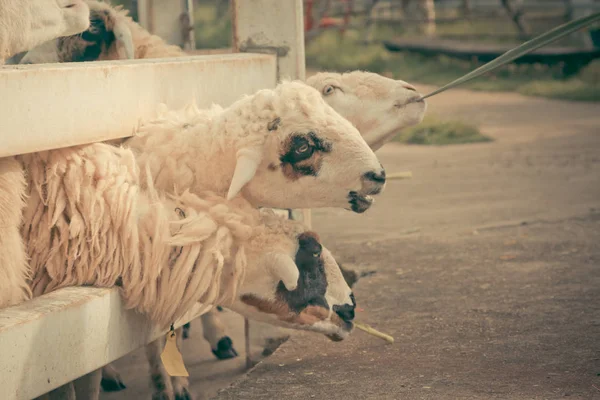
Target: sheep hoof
[(225, 349), (184, 395), (186, 330), (112, 384)]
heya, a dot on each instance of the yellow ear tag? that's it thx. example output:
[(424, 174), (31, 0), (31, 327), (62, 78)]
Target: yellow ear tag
[(171, 357)]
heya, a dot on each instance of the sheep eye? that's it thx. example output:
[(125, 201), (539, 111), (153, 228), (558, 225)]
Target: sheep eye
[(303, 149), (329, 89)]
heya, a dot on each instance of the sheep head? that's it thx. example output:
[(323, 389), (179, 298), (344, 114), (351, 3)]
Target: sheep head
[(379, 107), (293, 281), (293, 150), (26, 24), (108, 37)]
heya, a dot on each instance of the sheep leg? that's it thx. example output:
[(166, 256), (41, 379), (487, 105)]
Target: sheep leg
[(88, 386), (186, 330), (214, 332), (161, 381), (111, 379), (14, 269), (181, 384)]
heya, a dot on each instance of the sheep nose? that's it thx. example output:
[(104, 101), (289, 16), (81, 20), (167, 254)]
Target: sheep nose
[(346, 312), (375, 176)]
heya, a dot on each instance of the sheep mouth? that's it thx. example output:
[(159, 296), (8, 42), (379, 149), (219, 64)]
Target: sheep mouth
[(414, 99), (359, 203), (342, 334)]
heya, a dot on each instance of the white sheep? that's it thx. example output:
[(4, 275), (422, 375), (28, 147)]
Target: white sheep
[(24, 24), (287, 134), (378, 106), (277, 148), (112, 35), (88, 221)]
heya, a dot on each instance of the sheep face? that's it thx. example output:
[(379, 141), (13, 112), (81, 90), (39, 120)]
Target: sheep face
[(37, 21), (107, 37), (378, 106), (296, 284), (311, 156)]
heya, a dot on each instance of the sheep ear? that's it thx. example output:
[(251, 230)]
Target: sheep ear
[(124, 38), (245, 168), (284, 269)]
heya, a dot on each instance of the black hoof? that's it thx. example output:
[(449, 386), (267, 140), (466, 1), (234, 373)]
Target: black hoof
[(184, 395), (186, 330), (219, 308), (225, 349), (112, 385)]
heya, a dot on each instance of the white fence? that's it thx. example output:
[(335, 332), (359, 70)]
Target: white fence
[(58, 337)]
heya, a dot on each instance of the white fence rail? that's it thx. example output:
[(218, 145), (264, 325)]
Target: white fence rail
[(58, 337)]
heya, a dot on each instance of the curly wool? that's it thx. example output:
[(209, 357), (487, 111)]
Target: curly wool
[(14, 272), (88, 223)]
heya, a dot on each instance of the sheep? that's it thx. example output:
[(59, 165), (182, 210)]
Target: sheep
[(24, 24), (269, 141), (278, 146), (377, 106), (89, 220), (112, 35), (353, 95)]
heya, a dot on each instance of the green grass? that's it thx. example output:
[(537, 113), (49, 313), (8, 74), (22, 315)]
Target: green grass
[(331, 52), (211, 32), (433, 131)]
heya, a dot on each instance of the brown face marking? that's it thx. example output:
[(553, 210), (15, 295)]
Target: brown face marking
[(302, 155), (309, 316), (272, 167), (90, 44)]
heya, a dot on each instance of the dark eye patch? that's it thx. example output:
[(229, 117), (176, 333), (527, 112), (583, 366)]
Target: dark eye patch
[(302, 156), (312, 282), (295, 153)]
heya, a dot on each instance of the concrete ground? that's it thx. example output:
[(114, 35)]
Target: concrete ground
[(487, 275)]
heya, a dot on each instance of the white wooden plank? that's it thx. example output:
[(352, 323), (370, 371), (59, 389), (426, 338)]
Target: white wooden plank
[(58, 337), (59, 105)]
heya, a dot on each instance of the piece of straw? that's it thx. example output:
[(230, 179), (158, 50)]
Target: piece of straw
[(399, 175), (374, 332)]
